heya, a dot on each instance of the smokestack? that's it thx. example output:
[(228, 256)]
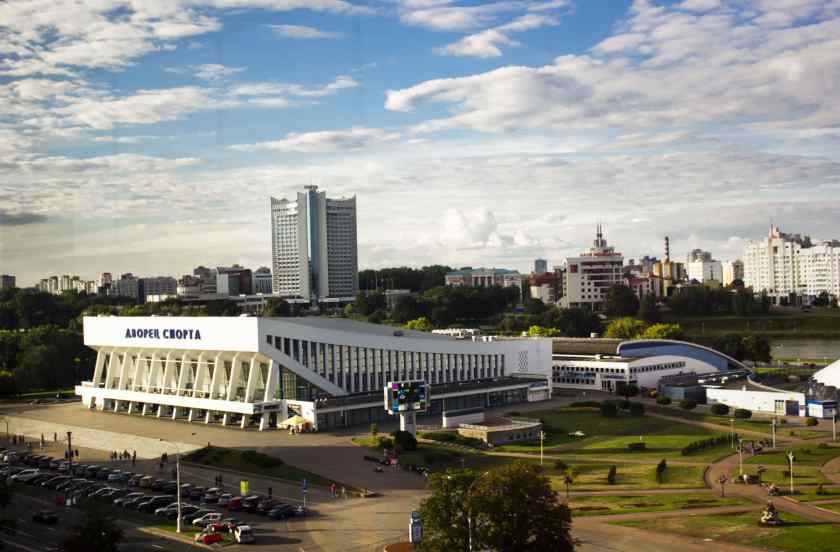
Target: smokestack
[(667, 249)]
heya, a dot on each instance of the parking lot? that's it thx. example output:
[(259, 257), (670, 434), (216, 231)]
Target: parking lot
[(144, 500)]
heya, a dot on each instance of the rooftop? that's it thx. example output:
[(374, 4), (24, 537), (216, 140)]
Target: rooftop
[(585, 346), (354, 326)]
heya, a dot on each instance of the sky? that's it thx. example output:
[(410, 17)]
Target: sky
[(147, 136)]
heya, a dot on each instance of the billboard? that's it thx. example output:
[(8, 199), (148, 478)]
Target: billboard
[(406, 396)]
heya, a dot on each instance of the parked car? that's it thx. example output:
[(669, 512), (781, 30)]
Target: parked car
[(243, 534), (155, 502), (54, 463), (116, 477), (186, 509), (146, 482), (249, 503), (127, 498), (226, 525), (224, 500), (54, 481), (169, 487), (40, 478), (265, 505), (134, 480), (44, 462), (235, 504), (164, 510), (134, 503), (207, 519), (25, 475), (64, 467), (211, 495), (46, 517), (196, 493), (282, 511), (103, 473), (185, 490), (157, 484), (91, 471), (209, 538), (189, 518)]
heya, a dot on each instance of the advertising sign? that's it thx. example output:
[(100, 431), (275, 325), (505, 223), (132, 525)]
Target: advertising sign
[(243, 487), (406, 396)]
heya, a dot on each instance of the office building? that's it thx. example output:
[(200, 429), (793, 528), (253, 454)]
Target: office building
[(314, 247), (540, 266), (257, 371), (589, 276), (483, 277), (262, 280), (732, 270), (189, 287), (234, 280), (160, 286), (127, 286), (7, 281)]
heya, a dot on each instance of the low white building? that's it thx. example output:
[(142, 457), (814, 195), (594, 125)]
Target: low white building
[(783, 403), (252, 371)]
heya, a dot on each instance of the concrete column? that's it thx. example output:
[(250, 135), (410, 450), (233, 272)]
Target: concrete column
[(98, 367), (264, 421)]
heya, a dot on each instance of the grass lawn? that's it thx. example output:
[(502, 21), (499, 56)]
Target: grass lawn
[(628, 504), (809, 494), (802, 475), (813, 324), (798, 535), (804, 455), (608, 437), (758, 425), (42, 394), (249, 461), (593, 477), (834, 506)]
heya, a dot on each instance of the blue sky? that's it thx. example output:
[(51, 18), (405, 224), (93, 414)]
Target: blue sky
[(147, 136)]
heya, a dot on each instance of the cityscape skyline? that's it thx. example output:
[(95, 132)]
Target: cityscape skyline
[(532, 120)]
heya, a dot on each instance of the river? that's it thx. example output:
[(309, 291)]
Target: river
[(806, 348)]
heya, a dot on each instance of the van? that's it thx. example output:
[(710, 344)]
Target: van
[(146, 482), (243, 534)]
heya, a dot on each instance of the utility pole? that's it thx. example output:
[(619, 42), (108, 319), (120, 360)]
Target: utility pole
[(790, 459), (773, 423), (741, 457), (732, 432), (833, 427), (542, 438)]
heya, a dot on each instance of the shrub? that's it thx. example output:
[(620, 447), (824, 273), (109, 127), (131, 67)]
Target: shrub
[(637, 409), (636, 446), (580, 404), (663, 399), (823, 445), (742, 414), (261, 460), (703, 444), (404, 440), (609, 409), (514, 413), (624, 405), (660, 471), (688, 404), (811, 421), (611, 475), (720, 409), (374, 429), (820, 489)]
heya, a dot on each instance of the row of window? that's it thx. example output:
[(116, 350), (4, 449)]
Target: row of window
[(573, 381), (361, 369), (658, 367)]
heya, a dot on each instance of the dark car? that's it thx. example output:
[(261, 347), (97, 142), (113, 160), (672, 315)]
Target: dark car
[(128, 498), (46, 517), (44, 462), (91, 471), (249, 503), (114, 494), (154, 503), (196, 493), (157, 484), (265, 505), (185, 490), (169, 487), (55, 481), (282, 511), (135, 502), (103, 474), (40, 478), (134, 480)]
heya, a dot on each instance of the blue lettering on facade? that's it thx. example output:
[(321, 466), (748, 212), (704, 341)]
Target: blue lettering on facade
[(155, 333)]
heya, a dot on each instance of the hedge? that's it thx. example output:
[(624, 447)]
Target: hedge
[(704, 444), (811, 421), (720, 409), (636, 446), (742, 414), (637, 409), (688, 404), (663, 400)]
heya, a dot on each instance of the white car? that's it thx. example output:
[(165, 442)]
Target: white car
[(224, 500), (207, 519), (578, 434), (243, 534)]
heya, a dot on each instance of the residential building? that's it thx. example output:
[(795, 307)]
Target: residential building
[(161, 286), (189, 286), (544, 287), (262, 280), (207, 277), (256, 372), (60, 284), (483, 277), (314, 247), (127, 286), (733, 270), (790, 267), (700, 266), (589, 276), (540, 266), (7, 281)]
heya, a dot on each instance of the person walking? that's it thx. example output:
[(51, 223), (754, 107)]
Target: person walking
[(332, 490), (343, 492)]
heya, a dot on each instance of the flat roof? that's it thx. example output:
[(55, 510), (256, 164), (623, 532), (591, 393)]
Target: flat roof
[(357, 327), (585, 345)]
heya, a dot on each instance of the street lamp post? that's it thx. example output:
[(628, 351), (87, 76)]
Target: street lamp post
[(741, 457), (790, 459), (177, 484), (732, 432), (773, 423), (833, 428), (469, 511)]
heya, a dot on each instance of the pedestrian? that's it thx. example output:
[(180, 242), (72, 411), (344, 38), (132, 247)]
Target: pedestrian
[(55, 437), (220, 480), (174, 473), (77, 453), (332, 490), (343, 492)]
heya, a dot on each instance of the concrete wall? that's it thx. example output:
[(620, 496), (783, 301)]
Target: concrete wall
[(456, 420), (758, 401)]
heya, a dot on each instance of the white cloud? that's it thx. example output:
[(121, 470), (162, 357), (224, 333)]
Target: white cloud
[(301, 31), (442, 16), (325, 141), (215, 71), (486, 44)]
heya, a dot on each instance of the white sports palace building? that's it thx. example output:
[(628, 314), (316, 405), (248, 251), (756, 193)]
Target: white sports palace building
[(255, 372)]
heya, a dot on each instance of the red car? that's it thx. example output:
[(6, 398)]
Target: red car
[(208, 538), (235, 504)]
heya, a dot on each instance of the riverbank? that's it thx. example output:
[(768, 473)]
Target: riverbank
[(821, 324)]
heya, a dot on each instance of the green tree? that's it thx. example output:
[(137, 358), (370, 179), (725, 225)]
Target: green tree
[(648, 309), (626, 390), (539, 331), (515, 508), (756, 348), (222, 307), (445, 525), (277, 307), (577, 322), (534, 306), (625, 328), (663, 331), (421, 324), (405, 309), (621, 301), (97, 531)]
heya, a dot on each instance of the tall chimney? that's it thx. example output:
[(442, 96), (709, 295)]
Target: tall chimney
[(667, 249)]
